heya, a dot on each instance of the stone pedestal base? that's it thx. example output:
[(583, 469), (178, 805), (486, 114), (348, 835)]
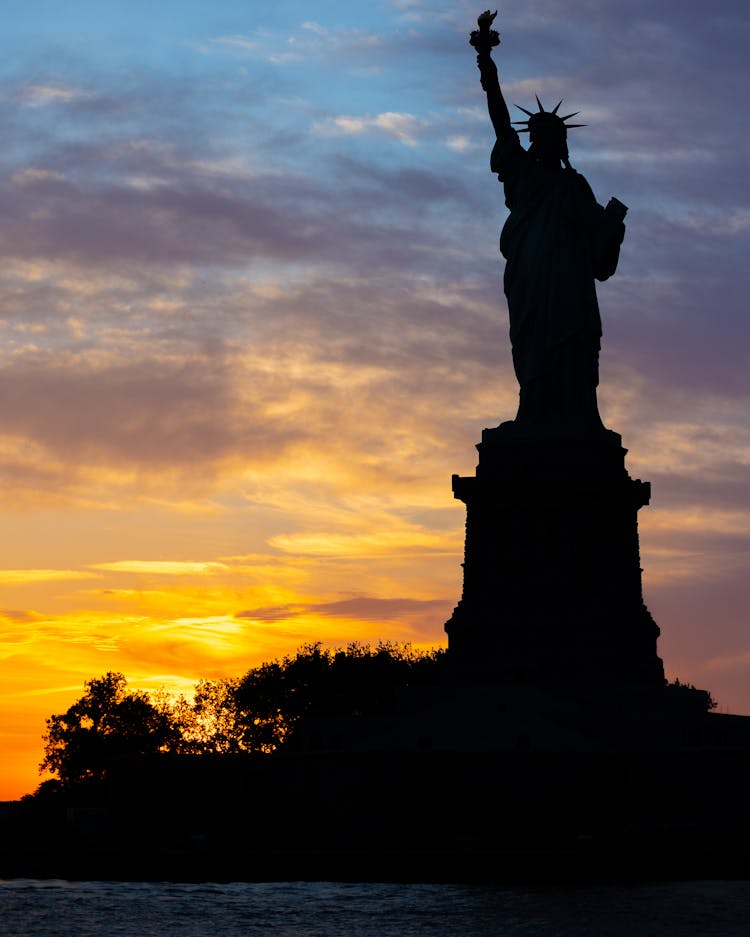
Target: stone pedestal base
[(552, 578)]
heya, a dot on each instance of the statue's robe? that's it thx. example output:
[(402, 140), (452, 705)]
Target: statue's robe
[(556, 241)]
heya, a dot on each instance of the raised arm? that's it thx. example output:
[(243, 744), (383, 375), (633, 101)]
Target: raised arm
[(495, 101), (484, 40)]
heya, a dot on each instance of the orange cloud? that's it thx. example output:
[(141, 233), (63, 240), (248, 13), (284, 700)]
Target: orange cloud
[(161, 567), (23, 576)]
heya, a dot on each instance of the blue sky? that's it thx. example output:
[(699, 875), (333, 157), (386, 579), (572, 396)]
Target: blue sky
[(251, 322)]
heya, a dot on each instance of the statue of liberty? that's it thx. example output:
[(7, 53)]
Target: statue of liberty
[(556, 242)]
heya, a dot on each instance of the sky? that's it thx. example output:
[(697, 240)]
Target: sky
[(251, 322)]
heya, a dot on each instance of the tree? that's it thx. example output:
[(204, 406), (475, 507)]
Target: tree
[(208, 725), (106, 723), (360, 680)]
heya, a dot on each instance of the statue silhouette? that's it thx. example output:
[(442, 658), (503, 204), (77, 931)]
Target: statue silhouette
[(552, 575), (556, 242)]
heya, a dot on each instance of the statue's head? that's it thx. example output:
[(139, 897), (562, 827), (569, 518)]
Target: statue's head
[(548, 133)]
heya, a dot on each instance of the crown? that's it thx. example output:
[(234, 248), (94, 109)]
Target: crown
[(542, 115)]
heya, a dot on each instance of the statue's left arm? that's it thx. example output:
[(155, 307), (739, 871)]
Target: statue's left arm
[(609, 232)]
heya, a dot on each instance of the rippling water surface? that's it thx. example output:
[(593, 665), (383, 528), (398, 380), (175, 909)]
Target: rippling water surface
[(293, 909)]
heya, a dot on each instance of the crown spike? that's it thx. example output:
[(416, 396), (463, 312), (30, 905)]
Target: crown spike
[(541, 109), (554, 109), (571, 126), (530, 113), (568, 116)]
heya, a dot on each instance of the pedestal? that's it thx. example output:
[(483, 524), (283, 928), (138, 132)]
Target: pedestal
[(552, 578)]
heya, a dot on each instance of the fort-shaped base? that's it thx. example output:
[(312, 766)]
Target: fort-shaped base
[(552, 578)]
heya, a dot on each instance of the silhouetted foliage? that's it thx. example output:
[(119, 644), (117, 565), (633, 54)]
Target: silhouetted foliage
[(688, 695), (359, 680), (48, 792), (106, 723), (256, 713), (210, 724)]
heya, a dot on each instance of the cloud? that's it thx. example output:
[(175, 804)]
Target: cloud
[(310, 41), (460, 143), (32, 576), (161, 567), (153, 208), (403, 127), (272, 612), (41, 95), (380, 609), (130, 408), (403, 543), (32, 176), (364, 607), (240, 42), (19, 616)]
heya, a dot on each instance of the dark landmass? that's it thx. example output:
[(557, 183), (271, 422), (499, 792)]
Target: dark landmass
[(454, 782)]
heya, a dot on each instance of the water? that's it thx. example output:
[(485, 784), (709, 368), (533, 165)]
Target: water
[(295, 909)]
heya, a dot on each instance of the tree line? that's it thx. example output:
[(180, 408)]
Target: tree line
[(259, 712)]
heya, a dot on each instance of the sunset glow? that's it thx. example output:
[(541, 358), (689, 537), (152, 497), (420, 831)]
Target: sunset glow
[(252, 321)]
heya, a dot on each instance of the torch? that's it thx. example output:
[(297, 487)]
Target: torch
[(485, 39)]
